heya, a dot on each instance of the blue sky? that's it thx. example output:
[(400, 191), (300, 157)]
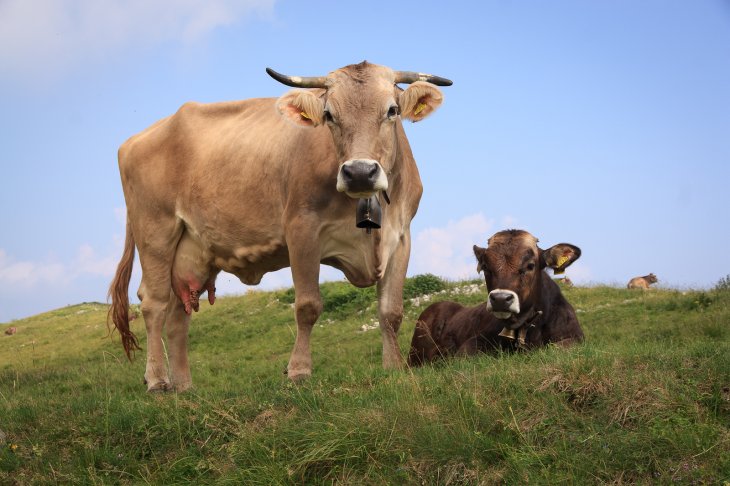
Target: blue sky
[(605, 124)]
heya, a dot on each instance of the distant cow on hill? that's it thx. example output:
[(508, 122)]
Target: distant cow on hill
[(642, 282), (525, 308), (11, 330)]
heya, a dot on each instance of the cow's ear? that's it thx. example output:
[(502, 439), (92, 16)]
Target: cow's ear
[(301, 107), (559, 257), (419, 100), (480, 253)]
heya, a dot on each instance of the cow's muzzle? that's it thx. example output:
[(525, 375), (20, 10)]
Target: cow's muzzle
[(361, 178), (503, 303)]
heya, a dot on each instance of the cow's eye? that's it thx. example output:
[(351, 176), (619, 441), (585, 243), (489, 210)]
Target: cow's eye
[(530, 266), (328, 117), (392, 112)]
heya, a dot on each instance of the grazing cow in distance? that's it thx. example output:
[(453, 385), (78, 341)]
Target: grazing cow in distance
[(524, 309), (642, 282), (250, 187), (11, 330)]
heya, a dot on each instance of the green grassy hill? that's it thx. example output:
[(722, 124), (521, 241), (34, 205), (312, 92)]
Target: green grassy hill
[(645, 400)]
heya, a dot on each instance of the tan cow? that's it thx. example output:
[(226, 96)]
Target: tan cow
[(11, 330), (253, 186), (642, 282)]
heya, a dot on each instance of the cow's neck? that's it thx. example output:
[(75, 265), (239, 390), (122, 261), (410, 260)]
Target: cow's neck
[(402, 165), (519, 335)]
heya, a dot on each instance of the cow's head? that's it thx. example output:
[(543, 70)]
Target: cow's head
[(513, 267), (651, 278), (361, 104)]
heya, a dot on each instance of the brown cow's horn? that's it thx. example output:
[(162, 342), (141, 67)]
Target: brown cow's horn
[(412, 77), (298, 81)]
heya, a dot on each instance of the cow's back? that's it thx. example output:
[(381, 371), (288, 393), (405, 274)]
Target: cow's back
[(427, 343), (449, 328), (211, 152), (638, 283), (226, 172)]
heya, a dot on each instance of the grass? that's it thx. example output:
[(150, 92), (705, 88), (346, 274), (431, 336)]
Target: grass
[(645, 400)]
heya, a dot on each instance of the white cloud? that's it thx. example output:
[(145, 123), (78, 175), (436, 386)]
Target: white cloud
[(87, 262), (16, 274), (447, 251), (27, 275), (20, 274), (51, 36)]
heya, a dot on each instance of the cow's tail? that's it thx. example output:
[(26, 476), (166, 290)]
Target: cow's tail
[(119, 295)]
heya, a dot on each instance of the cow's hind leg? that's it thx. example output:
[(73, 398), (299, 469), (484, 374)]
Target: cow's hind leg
[(156, 255), (154, 311), (177, 325)]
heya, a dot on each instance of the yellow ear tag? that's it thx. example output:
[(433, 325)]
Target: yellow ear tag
[(304, 115), (419, 108), (561, 260)]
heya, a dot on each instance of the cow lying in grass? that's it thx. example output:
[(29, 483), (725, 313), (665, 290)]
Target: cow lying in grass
[(642, 282), (525, 308)]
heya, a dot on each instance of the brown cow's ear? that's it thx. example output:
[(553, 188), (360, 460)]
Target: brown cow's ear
[(559, 257), (419, 100), (301, 107), (479, 253)]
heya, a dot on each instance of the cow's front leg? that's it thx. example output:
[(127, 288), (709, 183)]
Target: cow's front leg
[(390, 303), (304, 259)]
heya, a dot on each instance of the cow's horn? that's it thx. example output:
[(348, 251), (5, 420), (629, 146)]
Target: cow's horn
[(412, 77), (298, 81)]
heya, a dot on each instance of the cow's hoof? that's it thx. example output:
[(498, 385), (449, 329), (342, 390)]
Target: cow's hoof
[(182, 387), (159, 387), (299, 376)]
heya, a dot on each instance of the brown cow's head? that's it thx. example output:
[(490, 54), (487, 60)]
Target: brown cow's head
[(513, 267), (361, 104), (651, 278)]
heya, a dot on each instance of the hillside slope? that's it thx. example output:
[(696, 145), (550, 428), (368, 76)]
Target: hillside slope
[(646, 399)]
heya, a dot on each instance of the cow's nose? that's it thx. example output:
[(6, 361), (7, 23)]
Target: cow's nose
[(501, 301), (360, 172), (361, 177)]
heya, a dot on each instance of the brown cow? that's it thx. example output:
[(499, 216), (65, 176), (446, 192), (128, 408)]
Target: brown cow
[(642, 282), (11, 330), (525, 308), (250, 187)]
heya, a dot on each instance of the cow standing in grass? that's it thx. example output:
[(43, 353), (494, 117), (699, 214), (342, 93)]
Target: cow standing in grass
[(524, 309), (250, 187), (642, 282)]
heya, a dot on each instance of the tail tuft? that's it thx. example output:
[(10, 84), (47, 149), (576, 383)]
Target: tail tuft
[(119, 295)]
